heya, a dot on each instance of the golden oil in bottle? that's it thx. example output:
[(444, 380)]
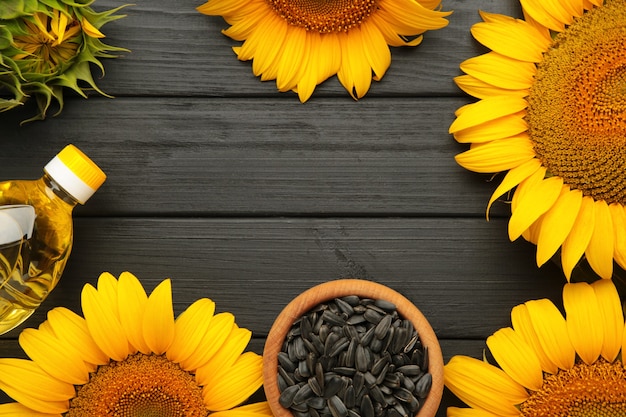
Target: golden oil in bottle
[(70, 178)]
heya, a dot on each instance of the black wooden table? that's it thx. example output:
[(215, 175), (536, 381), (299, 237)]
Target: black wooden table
[(244, 195)]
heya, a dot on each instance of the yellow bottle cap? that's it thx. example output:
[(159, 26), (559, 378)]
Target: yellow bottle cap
[(75, 173)]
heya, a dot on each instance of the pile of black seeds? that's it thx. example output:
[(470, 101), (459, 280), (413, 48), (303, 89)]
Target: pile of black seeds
[(353, 357)]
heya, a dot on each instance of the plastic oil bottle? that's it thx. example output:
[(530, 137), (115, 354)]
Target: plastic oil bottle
[(70, 178)]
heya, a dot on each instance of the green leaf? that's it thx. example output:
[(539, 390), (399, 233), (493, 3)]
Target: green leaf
[(6, 38), (10, 9)]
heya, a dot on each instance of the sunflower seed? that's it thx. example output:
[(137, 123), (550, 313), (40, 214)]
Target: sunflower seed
[(287, 396), (287, 376), (333, 319), (367, 407), (316, 402), (372, 316), (423, 385), (385, 305), (315, 386), (339, 346), (410, 370), (356, 319), (337, 407), (383, 326), (344, 306), (332, 386), (285, 362), (304, 393), (349, 397)]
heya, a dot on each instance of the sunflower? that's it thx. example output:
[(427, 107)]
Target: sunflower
[(552, 112), (549, 365), (302, 43), (46, 45), (128, 356)]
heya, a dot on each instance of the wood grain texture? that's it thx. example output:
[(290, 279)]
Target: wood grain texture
[(244, 195)]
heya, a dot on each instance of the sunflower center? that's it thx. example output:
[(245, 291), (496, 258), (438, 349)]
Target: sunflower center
[(577, 104), (139, 386), (324, 16), (597, 390), (49, 41)]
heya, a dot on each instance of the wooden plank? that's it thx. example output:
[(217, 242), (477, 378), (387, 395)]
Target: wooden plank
[(239, 157), (178, 51), (462, 273)]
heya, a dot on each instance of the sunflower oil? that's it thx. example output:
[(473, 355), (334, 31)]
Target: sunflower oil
[(70, 178)]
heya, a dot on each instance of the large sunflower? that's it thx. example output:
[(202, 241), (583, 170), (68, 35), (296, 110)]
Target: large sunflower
[(129, 357), (552, 112), (302, 43), (549, 365)]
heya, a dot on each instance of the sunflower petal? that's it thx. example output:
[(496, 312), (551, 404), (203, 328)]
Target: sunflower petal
[(103, 324), (503, 127), (376, 50), (500, 71), (619, 230), (54, 357), (511, 37), (523, 325), (497, 155), (190, 328), (551, 330), (584, 320), (72, 330), (224, 358), (486, 110), (355, 73), (516, 358), (538, 198), (241, 380), (557, 224), (18, 410), (28, 384), (612, 317), (513, 178), (158, 319), (468, 412), (599, 253), (132, 304), (260, 409), (220, 329), (292, 59), (480, 89), (483, 386), (577, 241)]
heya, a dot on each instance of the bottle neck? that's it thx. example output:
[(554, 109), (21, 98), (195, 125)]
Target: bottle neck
[(54, 191)]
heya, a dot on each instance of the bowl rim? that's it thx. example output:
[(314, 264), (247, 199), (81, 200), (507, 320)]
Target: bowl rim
[(329, 290)]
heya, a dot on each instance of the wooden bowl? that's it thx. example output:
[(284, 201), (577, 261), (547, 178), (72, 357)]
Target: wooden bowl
[(339, 288)]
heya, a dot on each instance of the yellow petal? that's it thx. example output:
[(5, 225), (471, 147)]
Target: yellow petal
[(103, 324), (72, 330), (599, 253), (503, 127), (54, 357), (537, 199), (190, 328), (468, 412), (584, 320), (500, 71), (513, 178), (241, 380), (612, 321), (90, 29), (483, 386), (292, 59), (497, 155), (619, 233), (511, 37), (480, 89), (355, 73), (487, 110), (220, 329), (18, 410), (577, 241), (224, 358), (28, 384), (537, 9), (516, 358), (523, 325), (557, 224), (376, 49), (260, 409), (551, 331), (412, 18), (132, 304), (158, 320)]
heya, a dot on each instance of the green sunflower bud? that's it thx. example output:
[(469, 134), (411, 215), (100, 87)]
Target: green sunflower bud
[(49, 45)]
